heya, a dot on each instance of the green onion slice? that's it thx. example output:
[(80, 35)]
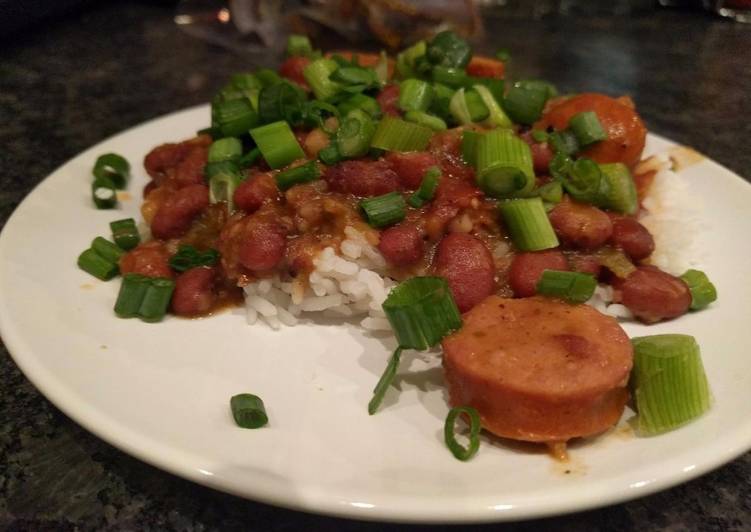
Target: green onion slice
[(459, 109), (106, 249), (188, 257), (247, 160), (496, 117), (504, 164), (616, 261), (362, 102), (573, 287), (330, 154), (424, 119), (299, 45), (381, 68), (618, 190), (587, 128), (451, 77), (282, 101), (551, 192), (703, 292), (104, 193), (355, 134), (304, 173), (318, 75), (222, 188), (405, 61), (233, 118), (395, 134), (469, 146), (564, 142), (427, 189), (277, 143), (528, 224), (125, 233), (225, 149), (93, 263), (670, 386), (448, 49), (113, 167), (583, 182), (384, 210), (144, 297), (449, 432), (539, 135), (221, 167), (248, 411), (415, 95), (524, 103), (385, 381)]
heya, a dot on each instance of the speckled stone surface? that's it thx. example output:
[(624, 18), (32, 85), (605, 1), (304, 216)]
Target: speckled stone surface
[(72, 82)]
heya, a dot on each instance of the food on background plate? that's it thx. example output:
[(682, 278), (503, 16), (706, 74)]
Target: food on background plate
[(403, 193)]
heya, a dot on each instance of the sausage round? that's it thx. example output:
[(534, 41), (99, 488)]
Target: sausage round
[(526, 270), (293, 67), (176, 214), (653, 295), (150, 259), (255, 191), (401, 245), (538, 369), (580, 225), (194, 292), (411, 166), (465, 262), (632, 237), (362, 178)]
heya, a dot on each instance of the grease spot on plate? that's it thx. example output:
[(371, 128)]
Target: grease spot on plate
[(87, 286)]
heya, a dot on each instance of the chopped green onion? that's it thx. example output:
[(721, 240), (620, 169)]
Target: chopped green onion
[(277, 143), (406, 60), (539, 135), (618, 190), (315, 114), (267, 77), (354, 134), (616, 261), (560, 166), (225, 149), (144, 297), (524, 103), (422, 311), (476, 107), (452, 77), (245, 80), (221, 167), (114, 167), (503, 55), (427, 189), (528, 224), (384, 210), (385, 381), (395, 134), (587, 128), (573, 287), (222, 188), (282, 101), (248, 411), (449, 432), (381, 68), (106, 249), (563, 142), (458, 108), (415, 95), (125, 233), (539, 84), (670, 386), (188, 257), (233, 118), (247, 160), (424, 119), (304, 173), (442, 100), (504, 164), (92, 262), (448, 49), (355, 78), (469, 146), (583, 182), (299, 45), (318, 74), (103, 193), (330, 155), (496, 116), (551, 192), (362, 102), (703, 292)]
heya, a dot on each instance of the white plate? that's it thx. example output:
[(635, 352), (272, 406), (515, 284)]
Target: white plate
[(161, 392)]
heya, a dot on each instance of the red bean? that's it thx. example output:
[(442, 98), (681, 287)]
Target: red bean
[(411, 166), (541, 153), (526, 270), (174, 216), (632, 237), (580, 225), (465, 262), (388, 99), (158, 160), (194, 292), (262, 247), (255, 191), (293, 67), (362, 178), (653, 295), (150, 259), (401, 245), (189, 171), (586, 264)]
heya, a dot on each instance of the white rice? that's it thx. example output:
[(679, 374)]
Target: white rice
[(350, 282)]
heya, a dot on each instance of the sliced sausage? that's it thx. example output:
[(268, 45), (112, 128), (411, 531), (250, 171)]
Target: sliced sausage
[(526, 270), (150, 259), (174, 216), (293, 68), (255, 191), (411, 166), (485, 67), (401, 245), (653, 295), (465, 262), (632, 237), (539, 369), (194, 292), (579, 225), (362, 178), (388, 99)]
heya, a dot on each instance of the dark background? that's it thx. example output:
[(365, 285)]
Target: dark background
[(69, 81)]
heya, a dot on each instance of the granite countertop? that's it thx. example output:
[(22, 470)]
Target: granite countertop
[(71, 82)]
